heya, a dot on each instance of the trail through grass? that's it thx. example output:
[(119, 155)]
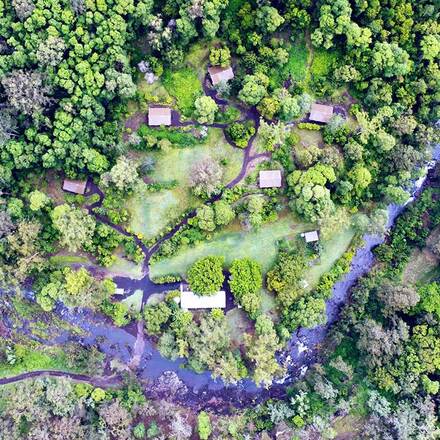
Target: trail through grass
[(260, 245), (152, 211)]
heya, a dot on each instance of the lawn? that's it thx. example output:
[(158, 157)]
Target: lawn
[(134, 302), (332, 250), (152, 211), (123, 267), (260, 245), (309, 137), (185, 86)]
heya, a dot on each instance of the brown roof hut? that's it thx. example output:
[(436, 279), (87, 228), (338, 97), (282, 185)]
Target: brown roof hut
[(270, 179), (159, 116), (75, 186), (219, 74), (321, 113)]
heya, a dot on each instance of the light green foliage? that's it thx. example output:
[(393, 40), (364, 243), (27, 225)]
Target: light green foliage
[(268, 19), (76, 227), (204, 425), (430, 47), (307, 312), (224, 213), (123, 175), (38, 200), (429, 299), (98, 394), (254, 88), (205, 218), (139, 431), (185, 86), (312, 197), (205, 109), (245, 283), (220, 56), (284, 278), (205, 276), (390, 60), (261, 349)]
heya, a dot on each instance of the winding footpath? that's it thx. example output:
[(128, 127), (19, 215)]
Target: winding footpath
[(166, 378)]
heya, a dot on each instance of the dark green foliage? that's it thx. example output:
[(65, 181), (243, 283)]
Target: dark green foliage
[(240, 133), (245, 283)]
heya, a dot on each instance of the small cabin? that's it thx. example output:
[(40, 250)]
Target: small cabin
[(190, 300), (311, 236), (159, 116), (75, 186), (321, 113), (270, 179), (219, 74)]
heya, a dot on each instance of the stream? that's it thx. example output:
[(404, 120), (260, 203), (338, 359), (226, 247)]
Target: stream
[(166, 378)]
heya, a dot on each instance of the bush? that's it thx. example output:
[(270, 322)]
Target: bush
[(205, 276), (204, 425)]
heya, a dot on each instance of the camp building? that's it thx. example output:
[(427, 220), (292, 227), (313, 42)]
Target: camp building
[(270, 179), (159, 116), (311, 236), (75, 186), (190, 300), (321, 113), (219, 74)]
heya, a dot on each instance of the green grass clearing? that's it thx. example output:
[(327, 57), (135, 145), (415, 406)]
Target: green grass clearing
[(134, 302), (185, 86), (66, 260), (151, 212), (123, 267), (239, 324), (332, 250), (309, 137), (260, 245)]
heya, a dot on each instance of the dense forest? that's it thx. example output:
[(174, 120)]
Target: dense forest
[(110, 221)]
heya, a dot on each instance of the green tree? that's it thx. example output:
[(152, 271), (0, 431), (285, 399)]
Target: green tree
[(38, 200), (205, 109), (245, 282), (76, 227), (204, 425), (254, 88), (205, 276)]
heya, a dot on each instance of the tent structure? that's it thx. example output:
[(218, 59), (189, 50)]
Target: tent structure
[(270, 179)]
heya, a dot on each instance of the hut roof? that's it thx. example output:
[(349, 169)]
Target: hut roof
[(75, 186), (159, 116), (310, 236), (270, 179), (321, 113), (190, 300), (218, 74)]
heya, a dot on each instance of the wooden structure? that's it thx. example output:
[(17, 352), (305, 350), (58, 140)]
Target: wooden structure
[(219, 74), (75, 186), (311, 236), (159, 116), (321, 113), (190, 300), (270, 179)]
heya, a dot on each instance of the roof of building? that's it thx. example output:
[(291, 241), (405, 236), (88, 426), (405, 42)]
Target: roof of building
[(311, 236), (270, 179), (75, 186), (218, 74), (190, 300), (159, 116), (321, 113)]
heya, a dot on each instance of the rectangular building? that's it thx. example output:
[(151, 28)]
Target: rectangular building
[(219, 74), (190, 300), (75, 186), (270, 179), (321, 113), (159, 116)]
